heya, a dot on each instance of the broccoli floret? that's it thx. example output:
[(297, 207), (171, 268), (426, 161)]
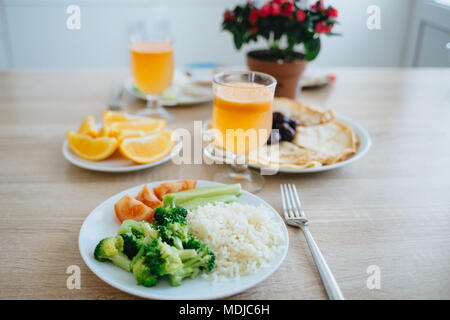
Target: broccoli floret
[(206, 259), (143, 274), (172, 225), (197, 257), (130, 245), (112, 249), (175, 233), (164, 215), (135, 234), (133, 227), (155, 259)]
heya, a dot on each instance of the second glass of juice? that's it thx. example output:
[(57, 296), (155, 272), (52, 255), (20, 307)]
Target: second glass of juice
[(242, 120)]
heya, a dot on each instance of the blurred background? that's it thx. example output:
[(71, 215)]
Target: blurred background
[(33, 34)]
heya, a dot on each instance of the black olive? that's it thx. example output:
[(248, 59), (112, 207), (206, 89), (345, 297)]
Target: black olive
[(274, 138), (287, 133), (294, 123), (278, 117)]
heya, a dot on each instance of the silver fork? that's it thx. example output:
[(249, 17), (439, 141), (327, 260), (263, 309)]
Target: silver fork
[(294, 216)]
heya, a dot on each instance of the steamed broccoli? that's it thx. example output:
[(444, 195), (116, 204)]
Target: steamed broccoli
[(172, 225), (201, 258), (165, 215), (206, 256), (112, 249), (130, 245), (153, 251), (133, 227), (175, 233), (154, 260), (134, 234)]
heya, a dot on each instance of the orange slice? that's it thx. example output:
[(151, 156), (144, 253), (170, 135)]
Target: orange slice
[(125, 134), (88, 127), (89, 148), (149, 148), (146, 125), (105, 131), (110, 117)]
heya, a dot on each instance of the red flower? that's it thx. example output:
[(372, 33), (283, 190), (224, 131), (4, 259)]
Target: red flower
[(322, 27), (284, 1), (265, 10), (300, 15), (319, 8), (254, 30), (228, 15), (287, 8), (332, 13), (253, 15), (276, 9)]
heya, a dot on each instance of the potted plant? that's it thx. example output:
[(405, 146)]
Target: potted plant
[(284, 24)]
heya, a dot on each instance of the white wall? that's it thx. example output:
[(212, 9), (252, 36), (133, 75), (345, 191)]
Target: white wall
[(35, 33)]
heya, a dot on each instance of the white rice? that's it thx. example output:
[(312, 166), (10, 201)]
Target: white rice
[(243, 237)]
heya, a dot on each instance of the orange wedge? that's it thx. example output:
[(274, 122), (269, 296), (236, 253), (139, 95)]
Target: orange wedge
[(146, 125), (110, 117), (149, 148), (125, 134), (105, 131), (94, 149), (88, 127)]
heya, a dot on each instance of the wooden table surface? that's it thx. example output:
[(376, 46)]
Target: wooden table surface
[(390, 210)]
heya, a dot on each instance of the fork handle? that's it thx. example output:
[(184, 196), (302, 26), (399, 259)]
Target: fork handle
[(331, 286)]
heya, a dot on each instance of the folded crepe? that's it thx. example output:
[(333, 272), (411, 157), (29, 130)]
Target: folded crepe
[(329, 143), (307, 115), (284, 155)]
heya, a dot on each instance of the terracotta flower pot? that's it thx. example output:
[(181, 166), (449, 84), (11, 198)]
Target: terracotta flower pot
[(287, 73)]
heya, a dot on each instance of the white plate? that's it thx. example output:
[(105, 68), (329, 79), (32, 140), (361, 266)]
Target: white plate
[(102, 223), (115, 163), (187, 92), (364, 146)]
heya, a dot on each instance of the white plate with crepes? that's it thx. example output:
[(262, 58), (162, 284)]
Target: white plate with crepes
[(102, 223), (364, 146), (322, 142)]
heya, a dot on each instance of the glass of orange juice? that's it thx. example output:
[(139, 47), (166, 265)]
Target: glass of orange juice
[(242, 122), (152, 64)]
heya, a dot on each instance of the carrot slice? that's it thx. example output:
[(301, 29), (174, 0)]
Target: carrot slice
[(148, 198), (171, 187), (130, 208)]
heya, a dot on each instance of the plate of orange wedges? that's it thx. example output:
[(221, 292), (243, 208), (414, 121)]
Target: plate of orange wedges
[(121, 143)]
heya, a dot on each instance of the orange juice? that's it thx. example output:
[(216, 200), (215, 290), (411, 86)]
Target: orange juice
[(152, 66), (245, 108)]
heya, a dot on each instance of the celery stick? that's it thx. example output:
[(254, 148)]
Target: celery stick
[(193, 204), (178, 198)]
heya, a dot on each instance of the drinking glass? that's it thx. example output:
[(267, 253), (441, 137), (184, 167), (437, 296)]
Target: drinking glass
[(242, 122), (152, 64)]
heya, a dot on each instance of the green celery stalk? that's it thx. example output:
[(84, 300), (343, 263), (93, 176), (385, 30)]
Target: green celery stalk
[(178, 198), (193, 204)]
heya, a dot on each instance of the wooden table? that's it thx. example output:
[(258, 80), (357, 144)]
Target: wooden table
[(391, 209)]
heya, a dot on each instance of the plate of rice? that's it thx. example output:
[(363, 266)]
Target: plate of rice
[(248, 237)]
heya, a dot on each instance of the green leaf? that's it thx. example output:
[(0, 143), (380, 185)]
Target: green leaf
[(312, 48), (238, 40)]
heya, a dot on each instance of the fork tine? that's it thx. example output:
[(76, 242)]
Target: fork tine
[(283, 203), (297, 199), (295, 209), (288, 201)]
